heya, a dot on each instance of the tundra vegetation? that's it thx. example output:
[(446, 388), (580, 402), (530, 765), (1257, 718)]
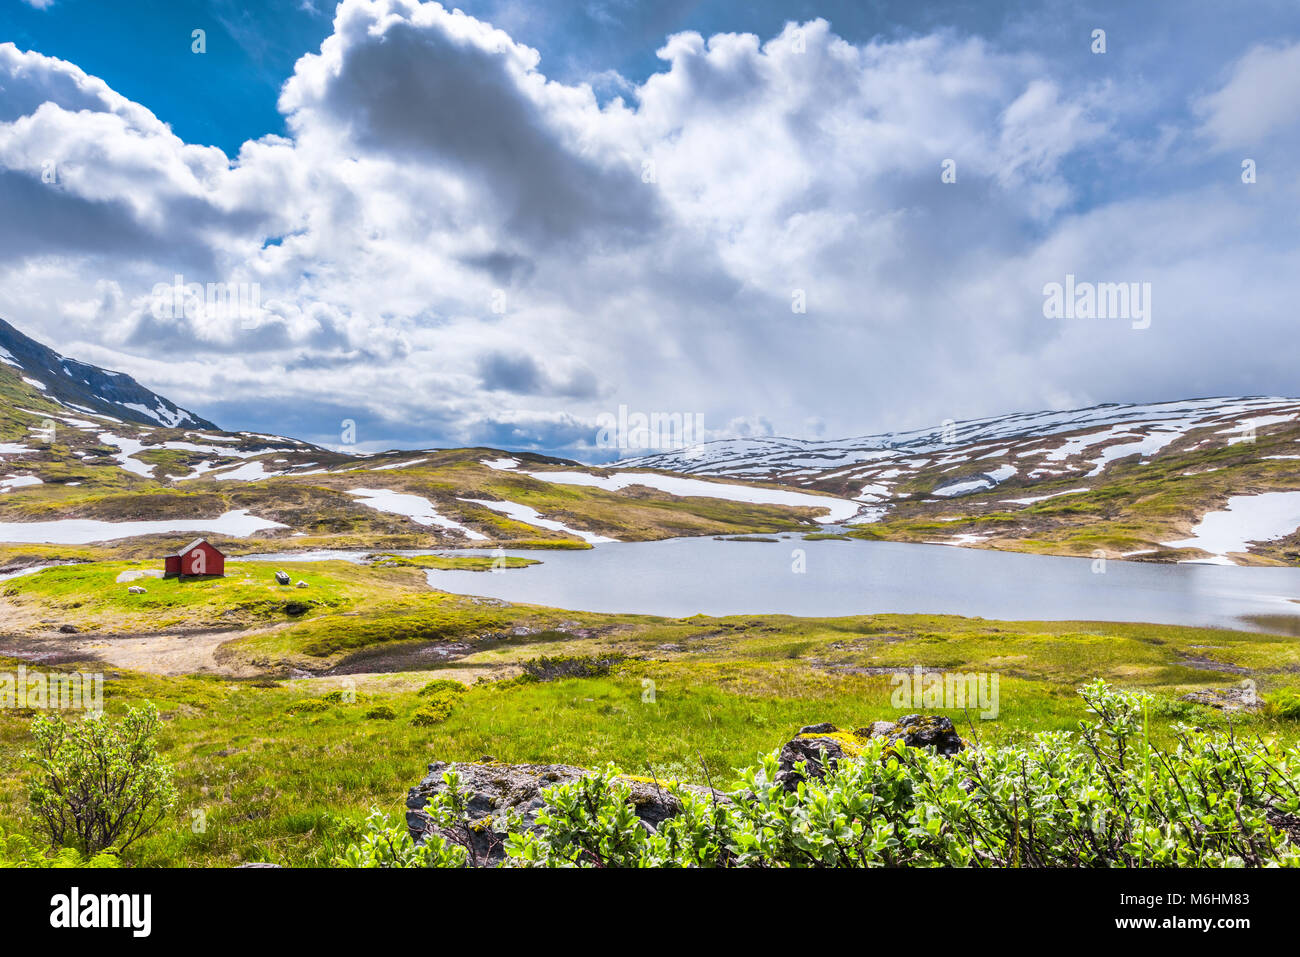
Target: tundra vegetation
[(298, 726), (1102, 796)]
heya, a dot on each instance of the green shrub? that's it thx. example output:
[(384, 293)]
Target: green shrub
[(1284, 705), (440, 686), (384, 844), (343, 696), (99, 783), (18, 851), (380, 712), (1103, 796), (569, 666), (432, 713), (310, 706)]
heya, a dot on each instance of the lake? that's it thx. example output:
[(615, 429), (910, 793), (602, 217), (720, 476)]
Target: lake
[(686, 576)]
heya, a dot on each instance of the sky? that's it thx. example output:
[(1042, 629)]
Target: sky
[(495, 224)]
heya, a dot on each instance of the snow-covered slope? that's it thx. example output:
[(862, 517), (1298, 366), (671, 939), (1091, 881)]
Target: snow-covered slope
[(82, 387), (960, 458)]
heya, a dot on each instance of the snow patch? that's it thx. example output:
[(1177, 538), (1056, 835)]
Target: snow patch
[(417, 509)]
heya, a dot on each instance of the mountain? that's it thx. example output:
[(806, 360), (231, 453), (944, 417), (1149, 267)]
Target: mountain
[(87, 388), (1124, 480), (1078, 442), (89, 456), (83, 451)]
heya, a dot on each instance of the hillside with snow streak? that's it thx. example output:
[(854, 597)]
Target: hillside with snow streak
[(1125, 481)]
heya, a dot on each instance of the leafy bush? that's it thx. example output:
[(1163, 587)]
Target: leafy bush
[(1284, 705), (380, 712), (310, 706), (384, 844), (18, 851), (99, 783), (1101, 797), (442, 686), (442, 695), (432, 713), (569, 666)]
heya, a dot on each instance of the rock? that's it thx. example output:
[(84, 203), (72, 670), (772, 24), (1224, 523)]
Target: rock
[(817, 753), (491, 790), (824, 728), (918, 731), (823, 746), (1245, 700), (301, 584), (282, 578), (68, 629), (135, 590), (258, 864)]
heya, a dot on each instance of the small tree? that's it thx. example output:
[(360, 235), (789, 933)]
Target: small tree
[(100, 783)]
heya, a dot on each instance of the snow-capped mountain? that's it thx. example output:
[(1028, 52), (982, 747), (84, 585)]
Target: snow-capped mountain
[(962, 458), (82, 387)]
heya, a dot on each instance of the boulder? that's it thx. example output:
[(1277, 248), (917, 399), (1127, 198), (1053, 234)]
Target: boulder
[(823, 746), (1226, 699), (824, 728), (491, 790), (136, 590), (301, 584), (283, 578), (817, 753), (918, 731), (68, 629)]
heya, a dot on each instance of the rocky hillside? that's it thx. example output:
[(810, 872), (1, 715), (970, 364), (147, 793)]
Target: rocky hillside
[(81, 387), (1133, 481), (90, 456)]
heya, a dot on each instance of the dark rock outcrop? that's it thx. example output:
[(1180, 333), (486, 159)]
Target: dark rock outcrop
[(823, 746), (1226, 699), (493, 789), (918, 731)]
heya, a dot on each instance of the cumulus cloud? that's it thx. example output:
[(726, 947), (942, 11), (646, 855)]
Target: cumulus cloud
[(452, 247), (1261, 96)]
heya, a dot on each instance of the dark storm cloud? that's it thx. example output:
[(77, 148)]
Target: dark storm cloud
[(520, 374), (41, 219), (431, 96)]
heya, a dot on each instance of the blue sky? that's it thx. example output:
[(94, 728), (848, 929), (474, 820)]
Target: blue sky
[(142, 47), (387, 190)]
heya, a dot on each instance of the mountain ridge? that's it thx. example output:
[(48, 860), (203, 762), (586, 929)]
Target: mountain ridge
[(90, 388)]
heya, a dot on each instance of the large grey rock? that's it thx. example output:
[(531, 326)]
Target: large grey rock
[(918, 731), (1226, 699), (493, 789), (822, 746), (283, 578), (818, 755)]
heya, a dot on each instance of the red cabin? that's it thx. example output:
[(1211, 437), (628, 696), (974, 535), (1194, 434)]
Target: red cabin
[(195, 559)]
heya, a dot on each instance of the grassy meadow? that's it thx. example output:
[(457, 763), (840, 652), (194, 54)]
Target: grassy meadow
[(279, 763)]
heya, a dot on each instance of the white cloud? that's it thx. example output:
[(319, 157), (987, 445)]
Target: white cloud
[(1260, 97), (452, 245)]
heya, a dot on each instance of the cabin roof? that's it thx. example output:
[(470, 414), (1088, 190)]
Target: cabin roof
[(195, 544)]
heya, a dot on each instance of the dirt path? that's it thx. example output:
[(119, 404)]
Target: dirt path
[(170, 654)]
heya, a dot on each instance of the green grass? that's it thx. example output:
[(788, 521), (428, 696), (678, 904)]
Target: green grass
[(90, 597), (274, 764), (271, 768)]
